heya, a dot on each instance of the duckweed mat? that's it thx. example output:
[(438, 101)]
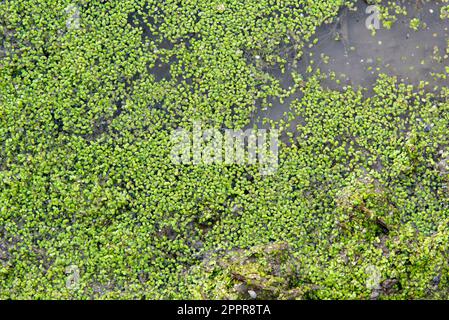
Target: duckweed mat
[(92, 205)]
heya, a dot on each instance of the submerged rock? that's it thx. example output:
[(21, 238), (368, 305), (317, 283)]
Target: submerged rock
[(261, 272)]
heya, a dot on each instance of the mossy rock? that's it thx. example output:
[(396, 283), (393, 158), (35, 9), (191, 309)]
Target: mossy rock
[(261, 272)]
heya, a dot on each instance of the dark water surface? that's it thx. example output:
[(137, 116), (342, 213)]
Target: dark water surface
[(347, 48)]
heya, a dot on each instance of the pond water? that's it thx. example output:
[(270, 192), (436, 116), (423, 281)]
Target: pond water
[(345, 47), (349, 49)]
